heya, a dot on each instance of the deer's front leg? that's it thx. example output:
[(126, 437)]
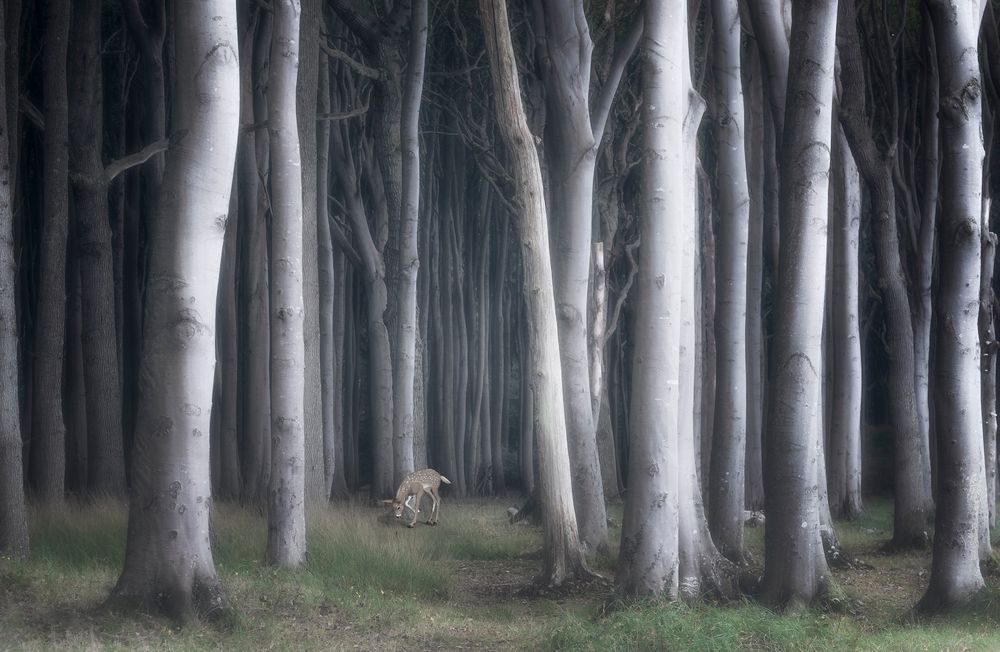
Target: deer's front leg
[(416, 506)]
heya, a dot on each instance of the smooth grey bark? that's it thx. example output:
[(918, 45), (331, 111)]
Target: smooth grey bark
[(168, 557), (650, 558), (795, 571), (911, 493), (756, 375), (254, 165), (48, 455), (404, 368), (13, 514), (105, 455), (844, 461), (726, 472), (286, 520), (307, 39), (955, 574), (563, 557), (330, 383), (571, 155)]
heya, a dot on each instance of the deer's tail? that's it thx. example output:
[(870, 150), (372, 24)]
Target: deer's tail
[(445, 480)]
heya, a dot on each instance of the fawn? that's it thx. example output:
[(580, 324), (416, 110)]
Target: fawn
[(417, 484)]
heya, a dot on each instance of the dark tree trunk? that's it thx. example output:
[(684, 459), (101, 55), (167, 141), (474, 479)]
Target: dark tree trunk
[(48, 436), (105, 458)]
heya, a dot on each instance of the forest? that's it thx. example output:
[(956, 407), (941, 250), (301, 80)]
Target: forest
[(678, 318)]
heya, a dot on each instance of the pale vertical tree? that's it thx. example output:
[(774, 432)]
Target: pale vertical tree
[(650, 557), (13, 516), (168, 556), (563, 551), (726, 472), (48, 428), (955, 574), (844, 462), (286, 523), (404, 370), (795, 570)]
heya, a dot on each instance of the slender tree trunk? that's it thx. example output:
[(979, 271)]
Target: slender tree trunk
[(168, 557), (955, 575), (795, 567), (649, 559), (13, 515), (330, 384), (307, 37), (48, 428), (404, 369), (105, 459), (756, 375), (844, 460), (286, 522), (226, 460), (563, 551), (726, 483)]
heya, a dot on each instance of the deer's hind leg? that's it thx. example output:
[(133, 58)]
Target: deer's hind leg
[(436, 507), (416, 506)]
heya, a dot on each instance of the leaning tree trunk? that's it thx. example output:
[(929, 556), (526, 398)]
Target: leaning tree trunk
[(563, 551), (13, 516), (795, 571), (726, 483), (844, 461), (404, 370), (286, 520), (168, 557), (955, 575), (105, 455), (48, 453), (649, 559)]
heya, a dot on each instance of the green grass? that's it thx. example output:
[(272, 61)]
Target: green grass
[(373, 584)]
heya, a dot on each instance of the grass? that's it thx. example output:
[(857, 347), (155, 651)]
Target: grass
[(372, 584)]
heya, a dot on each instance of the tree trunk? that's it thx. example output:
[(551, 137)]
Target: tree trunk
[(307, 40), (988, 344), (404, 369), (330, 384), (571, 154), (168, 557), (105, 458), (756, 364), (563, 552), (844, 460), (649, 559), (726, 484), (795, 571), (286, 522), (955, 575), (48, 428), (13, 515)]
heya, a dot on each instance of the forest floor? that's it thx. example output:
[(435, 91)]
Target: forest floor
[(373, 584)]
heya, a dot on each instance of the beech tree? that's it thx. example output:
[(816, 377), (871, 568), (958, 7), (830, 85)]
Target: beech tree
[(795, 570), (168, 556), (955, 574), (563, 552), (286, 541), (13, 515)]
